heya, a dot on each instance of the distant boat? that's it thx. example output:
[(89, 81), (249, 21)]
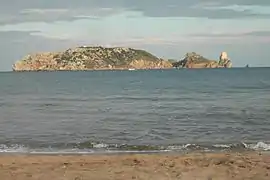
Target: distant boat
[(247, 66), (131, 69)]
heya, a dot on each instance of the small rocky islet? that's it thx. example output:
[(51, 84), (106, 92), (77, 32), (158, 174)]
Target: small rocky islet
[(115, 58)]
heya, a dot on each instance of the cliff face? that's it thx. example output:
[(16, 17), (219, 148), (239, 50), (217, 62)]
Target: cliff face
[(224, 60), (194, 60), (91, 58)]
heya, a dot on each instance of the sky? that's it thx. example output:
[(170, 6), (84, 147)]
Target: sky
[(168, 29)]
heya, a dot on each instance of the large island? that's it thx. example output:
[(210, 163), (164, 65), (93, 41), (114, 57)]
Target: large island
[(115, 58), (91, 58)]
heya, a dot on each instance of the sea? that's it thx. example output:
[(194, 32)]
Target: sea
[(141, 111)]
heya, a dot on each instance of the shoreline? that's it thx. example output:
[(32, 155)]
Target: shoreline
[(151, 69), (98, 69), (195, 165), (237, 67)]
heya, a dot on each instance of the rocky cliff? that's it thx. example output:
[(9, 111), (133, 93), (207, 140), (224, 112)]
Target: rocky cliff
[(194, 60), (224, 60), (91, 58)]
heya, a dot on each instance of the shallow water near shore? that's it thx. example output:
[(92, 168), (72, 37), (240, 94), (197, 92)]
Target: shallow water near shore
[(135, 111)]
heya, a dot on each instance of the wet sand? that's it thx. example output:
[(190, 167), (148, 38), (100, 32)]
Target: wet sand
[(221, 166)]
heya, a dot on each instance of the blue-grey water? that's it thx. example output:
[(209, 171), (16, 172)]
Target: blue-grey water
[(109, 111)]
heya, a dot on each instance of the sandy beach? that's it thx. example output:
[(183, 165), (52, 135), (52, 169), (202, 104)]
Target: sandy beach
[(221, 166)]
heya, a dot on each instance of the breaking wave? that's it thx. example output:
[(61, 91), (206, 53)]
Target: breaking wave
[(96, 148)]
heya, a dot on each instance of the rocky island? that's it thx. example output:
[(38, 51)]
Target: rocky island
[(91, 58), (194, 60), (115, 58)]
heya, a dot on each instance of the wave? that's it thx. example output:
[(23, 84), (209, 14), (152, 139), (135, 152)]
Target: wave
[(95, 148)]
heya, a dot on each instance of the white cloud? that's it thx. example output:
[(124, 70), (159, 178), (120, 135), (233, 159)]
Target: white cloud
[(43, 11), (251, 9)]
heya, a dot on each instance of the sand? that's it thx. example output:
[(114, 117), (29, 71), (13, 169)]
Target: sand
[(221, 166)]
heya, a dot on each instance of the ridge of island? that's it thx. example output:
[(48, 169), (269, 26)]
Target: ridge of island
[(114, 58)]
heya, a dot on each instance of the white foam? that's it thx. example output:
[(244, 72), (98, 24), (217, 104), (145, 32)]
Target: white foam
[(101, 145), (181, 147), (175, 147), (260, 146), (101, 148), (13, 148), (221, 146)]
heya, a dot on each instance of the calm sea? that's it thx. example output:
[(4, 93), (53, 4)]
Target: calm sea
[(125, 111)]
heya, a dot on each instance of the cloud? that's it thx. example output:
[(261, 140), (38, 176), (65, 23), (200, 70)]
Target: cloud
[(209, 9), (53, 15), (240, 34), (16, 11), (234, 38)]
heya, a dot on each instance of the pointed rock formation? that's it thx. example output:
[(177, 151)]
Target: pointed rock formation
[(194, 60), (224, 60)]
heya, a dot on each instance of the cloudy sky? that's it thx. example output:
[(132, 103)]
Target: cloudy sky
[(168, 28)]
